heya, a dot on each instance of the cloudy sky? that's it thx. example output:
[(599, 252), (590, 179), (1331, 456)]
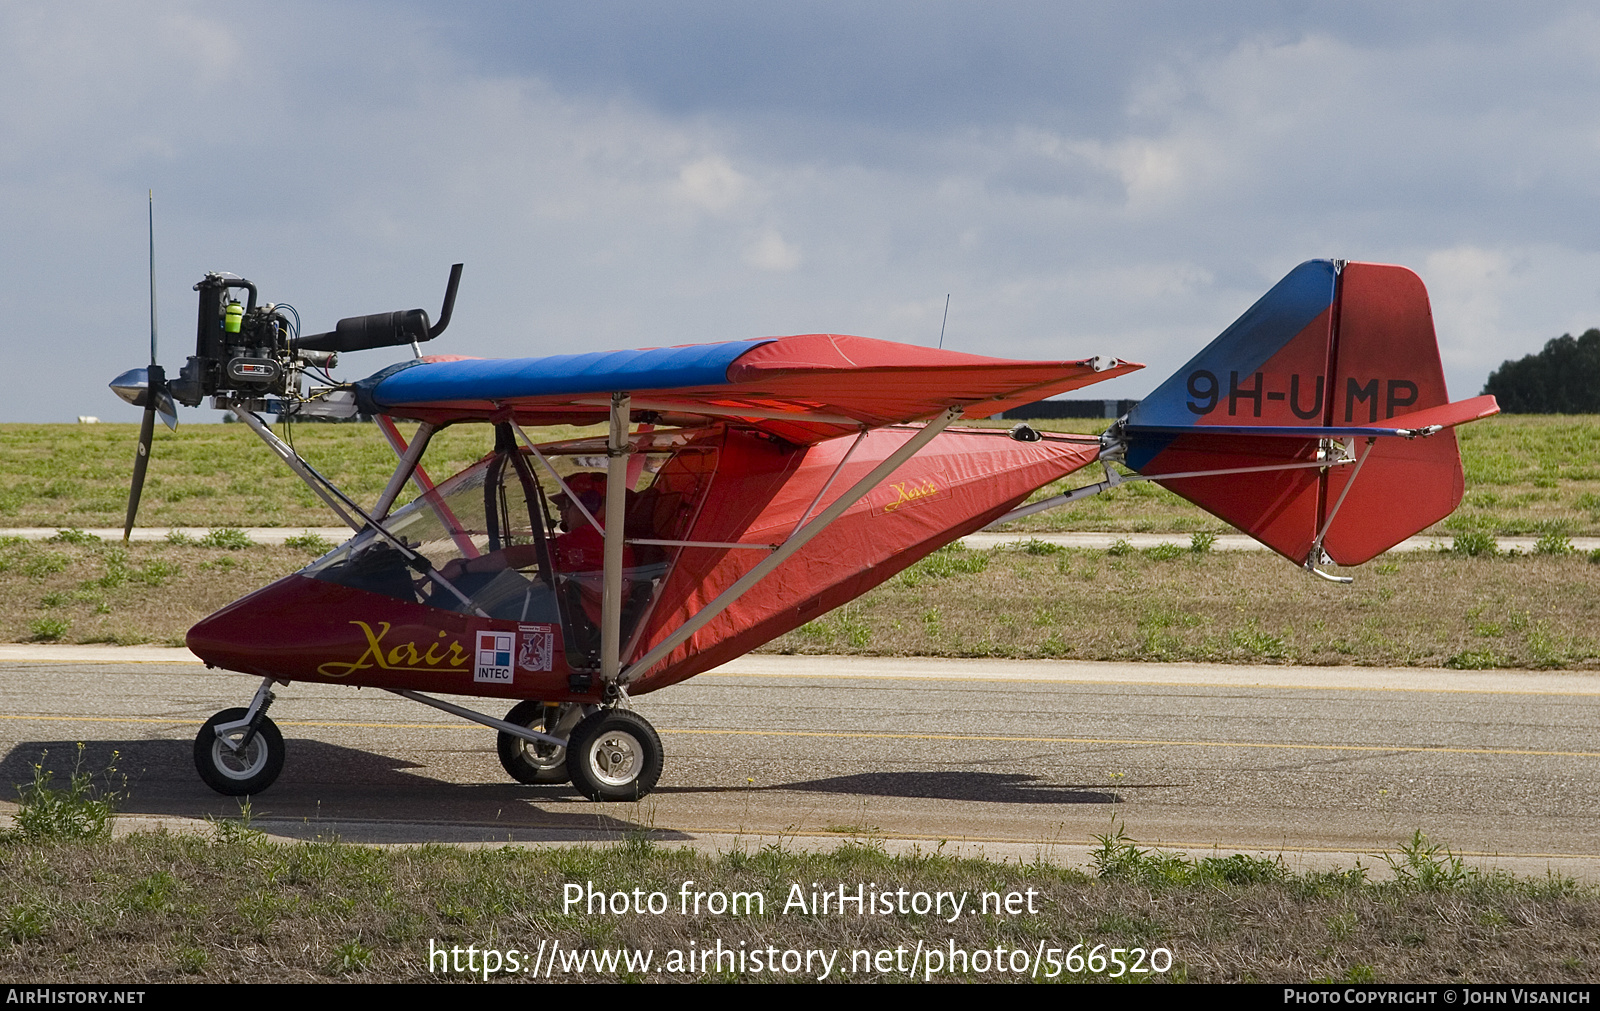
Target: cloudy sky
[(1079, 178)]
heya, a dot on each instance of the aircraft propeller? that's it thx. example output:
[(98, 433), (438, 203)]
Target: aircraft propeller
[(146, 388)]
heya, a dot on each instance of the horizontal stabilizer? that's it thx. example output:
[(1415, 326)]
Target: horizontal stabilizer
[(1334, 353), (1417, 425)]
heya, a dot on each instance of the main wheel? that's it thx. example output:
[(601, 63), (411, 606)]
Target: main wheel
[(614, 755), (525, 761), (237, 773)]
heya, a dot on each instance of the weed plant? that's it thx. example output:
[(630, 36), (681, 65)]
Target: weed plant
[(80, 810)]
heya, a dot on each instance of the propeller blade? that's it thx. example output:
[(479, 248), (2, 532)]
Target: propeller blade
[(172, 424), (146, 388), (167, 409), (147, 431)]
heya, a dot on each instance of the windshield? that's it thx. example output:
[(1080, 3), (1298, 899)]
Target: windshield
[(506, 539)]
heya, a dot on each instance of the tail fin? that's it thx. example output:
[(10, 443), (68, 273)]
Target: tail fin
[(1318, 422)]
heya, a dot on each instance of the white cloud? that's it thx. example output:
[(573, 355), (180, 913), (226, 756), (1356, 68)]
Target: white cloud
[(712, 183), (770, 252)]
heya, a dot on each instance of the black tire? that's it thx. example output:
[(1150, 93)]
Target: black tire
[(534, 764), (234, 774), (614, 755)]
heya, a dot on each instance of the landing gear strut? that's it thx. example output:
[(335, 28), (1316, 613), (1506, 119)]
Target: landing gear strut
[(533, 762), (240, 751)]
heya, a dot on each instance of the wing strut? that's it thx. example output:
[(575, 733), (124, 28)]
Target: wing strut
[(794, 543), (617, 450)]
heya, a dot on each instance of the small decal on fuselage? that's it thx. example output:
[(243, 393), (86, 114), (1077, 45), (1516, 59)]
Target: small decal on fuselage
[(494, 657), (538, 648), (905, 493)]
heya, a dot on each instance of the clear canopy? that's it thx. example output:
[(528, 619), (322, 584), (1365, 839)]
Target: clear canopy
[(506, 539)]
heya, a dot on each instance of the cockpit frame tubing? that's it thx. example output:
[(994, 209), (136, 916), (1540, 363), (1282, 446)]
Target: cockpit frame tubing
[(425, 485), (410, 456), (560, 481), (309, 475)]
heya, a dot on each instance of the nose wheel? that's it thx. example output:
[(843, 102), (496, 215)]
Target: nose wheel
[(237, 762), (614, 754)]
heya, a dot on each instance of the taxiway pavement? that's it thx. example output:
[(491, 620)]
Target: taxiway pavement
[(1012, 758)]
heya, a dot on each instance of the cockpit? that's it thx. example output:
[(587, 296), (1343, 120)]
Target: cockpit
[(518, 535)]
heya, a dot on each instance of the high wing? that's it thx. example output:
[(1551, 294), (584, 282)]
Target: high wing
[(804, 389)]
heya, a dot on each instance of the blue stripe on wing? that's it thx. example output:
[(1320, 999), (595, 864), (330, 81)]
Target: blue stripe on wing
[(557, 375)]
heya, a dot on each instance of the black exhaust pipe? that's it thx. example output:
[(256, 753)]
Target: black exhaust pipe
[(384, 329)]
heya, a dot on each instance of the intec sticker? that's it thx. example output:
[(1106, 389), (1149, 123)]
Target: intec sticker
[(494, 657)]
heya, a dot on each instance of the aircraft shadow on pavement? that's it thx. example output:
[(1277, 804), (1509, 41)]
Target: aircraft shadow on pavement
[(995, 787), (325, 789)]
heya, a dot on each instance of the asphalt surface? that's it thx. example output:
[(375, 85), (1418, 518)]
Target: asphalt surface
[(1013, 759)]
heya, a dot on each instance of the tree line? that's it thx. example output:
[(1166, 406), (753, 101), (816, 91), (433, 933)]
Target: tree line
[(1564, 378)]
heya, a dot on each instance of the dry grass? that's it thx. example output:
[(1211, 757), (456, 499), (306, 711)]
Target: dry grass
[(162, 908), (83, 590)]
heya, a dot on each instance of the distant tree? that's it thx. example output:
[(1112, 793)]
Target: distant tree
[(1564, 378)]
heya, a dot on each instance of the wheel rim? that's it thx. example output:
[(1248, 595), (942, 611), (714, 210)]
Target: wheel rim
[(616, 758), (239, 765), (543, 756)]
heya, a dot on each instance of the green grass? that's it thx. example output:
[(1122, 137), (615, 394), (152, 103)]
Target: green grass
[(1525, 475), (212, 476), (1433, 609), (154, 907)]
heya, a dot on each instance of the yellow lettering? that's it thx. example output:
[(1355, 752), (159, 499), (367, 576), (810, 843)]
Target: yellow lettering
[(907, 493), (404, 654), (374, 653), (402, 657)]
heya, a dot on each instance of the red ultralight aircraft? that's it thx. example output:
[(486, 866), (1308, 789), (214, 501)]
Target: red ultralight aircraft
[(763, 483)]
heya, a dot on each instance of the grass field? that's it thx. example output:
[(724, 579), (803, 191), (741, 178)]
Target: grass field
[(1525, 475), (1168, 604), (237, 908), (1033, 600)]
